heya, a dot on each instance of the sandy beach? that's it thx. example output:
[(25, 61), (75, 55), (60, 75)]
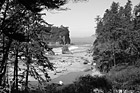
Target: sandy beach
[(69, 67)]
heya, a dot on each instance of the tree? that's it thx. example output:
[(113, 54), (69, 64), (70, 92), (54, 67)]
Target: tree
[(21, 29), (33, 29), (125, 78), (87, 84), (36, 5), (106, 28), (113, 35)]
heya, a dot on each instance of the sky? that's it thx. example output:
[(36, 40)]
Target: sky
[(81, 17)]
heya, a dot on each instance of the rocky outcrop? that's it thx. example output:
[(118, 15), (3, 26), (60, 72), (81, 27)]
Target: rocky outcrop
[(59, 35), (65, 50)]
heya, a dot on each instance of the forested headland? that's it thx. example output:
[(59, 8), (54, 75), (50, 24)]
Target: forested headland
[(58, 35)]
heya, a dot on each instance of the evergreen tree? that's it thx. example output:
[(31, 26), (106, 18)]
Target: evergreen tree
[(21, 29), (113, 36)]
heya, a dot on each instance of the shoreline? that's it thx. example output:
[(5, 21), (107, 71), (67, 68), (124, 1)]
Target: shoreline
[(71, 66)]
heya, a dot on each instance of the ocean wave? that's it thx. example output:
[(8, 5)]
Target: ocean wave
[(73, 47), (59, 50)]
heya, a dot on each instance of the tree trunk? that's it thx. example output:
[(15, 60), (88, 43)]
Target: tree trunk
[(114, 55), (16, 70), (4, 60), (27, 64), (5, 51), (27, 72)]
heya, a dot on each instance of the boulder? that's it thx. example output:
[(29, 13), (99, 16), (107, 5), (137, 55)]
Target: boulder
[(65, 50)]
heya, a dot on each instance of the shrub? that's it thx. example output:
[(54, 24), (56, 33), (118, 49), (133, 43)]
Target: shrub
[(86, 84), (126, 78)]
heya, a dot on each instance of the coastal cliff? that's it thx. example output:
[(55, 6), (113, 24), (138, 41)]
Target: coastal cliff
[(58, 35)]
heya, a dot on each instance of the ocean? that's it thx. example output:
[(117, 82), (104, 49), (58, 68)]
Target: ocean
[(72, 48)]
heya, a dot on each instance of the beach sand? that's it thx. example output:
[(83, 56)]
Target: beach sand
[(71, 66)]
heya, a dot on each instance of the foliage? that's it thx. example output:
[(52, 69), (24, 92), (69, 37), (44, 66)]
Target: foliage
[(117, 49), (21, 37), (117, 36), (125, 77), (59, 34), (84, 84), (27, 46), (38, 5)]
